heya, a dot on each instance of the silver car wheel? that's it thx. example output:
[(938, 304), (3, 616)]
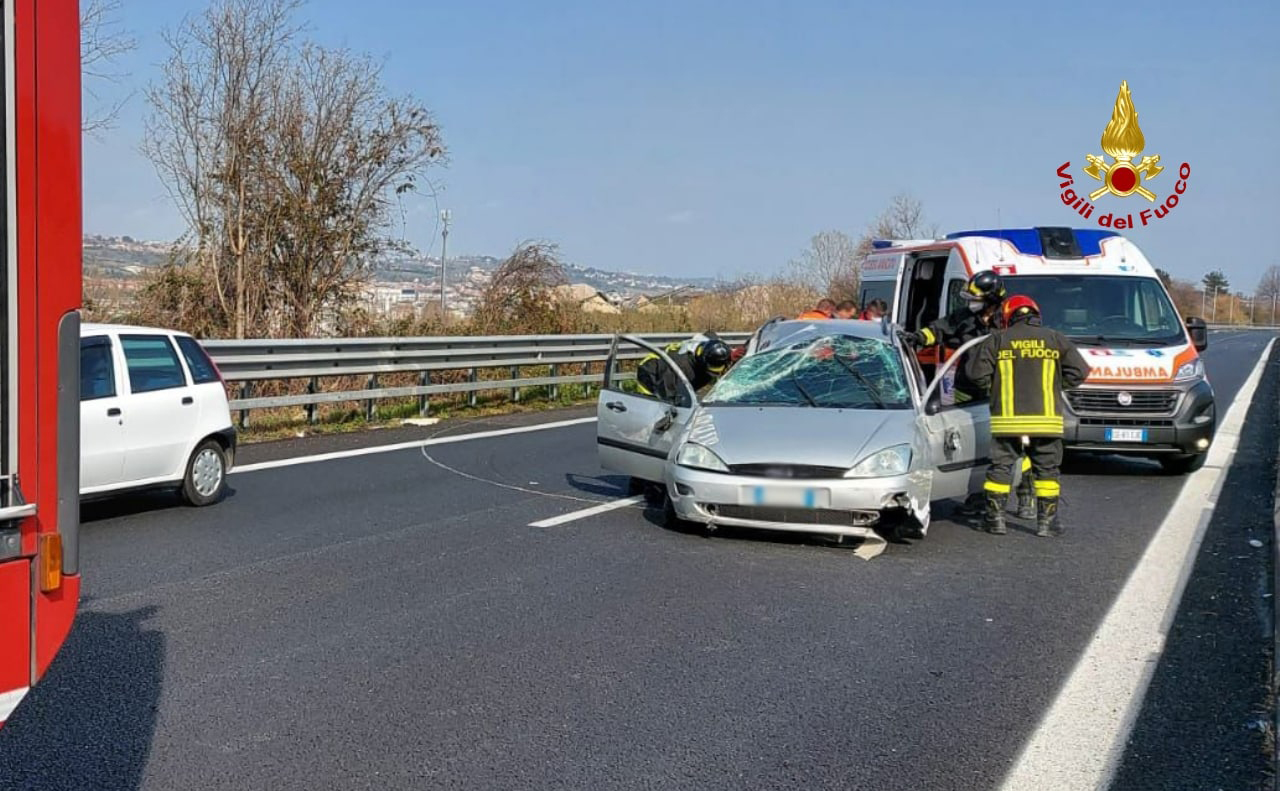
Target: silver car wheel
[(206, 472)]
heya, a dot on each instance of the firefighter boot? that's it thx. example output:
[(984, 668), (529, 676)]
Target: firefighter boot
[(1047, 524), (993, 518), (1026, 498), (973, 506)]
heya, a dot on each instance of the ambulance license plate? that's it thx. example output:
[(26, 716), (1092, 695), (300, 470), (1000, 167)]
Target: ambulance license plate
[(1126, 435)]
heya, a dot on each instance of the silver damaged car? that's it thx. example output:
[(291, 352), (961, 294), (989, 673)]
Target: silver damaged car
[(824, 427)]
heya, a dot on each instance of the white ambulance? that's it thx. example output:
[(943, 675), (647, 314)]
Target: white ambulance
[(1147, 393)]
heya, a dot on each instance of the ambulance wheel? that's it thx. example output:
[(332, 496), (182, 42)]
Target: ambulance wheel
[(1181, 465)]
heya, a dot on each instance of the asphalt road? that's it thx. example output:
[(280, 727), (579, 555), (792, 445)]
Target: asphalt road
[(391, 621)]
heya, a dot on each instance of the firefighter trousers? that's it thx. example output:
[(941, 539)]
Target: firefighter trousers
[(1045, 454)]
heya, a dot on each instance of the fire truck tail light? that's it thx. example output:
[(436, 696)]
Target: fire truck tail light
[(49, 562)]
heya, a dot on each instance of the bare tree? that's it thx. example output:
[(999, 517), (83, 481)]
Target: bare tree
[(829, 266), (205, 137), (521, 296), (345, 151), (102, 41), (284, 159), (903, 219), (1269, 285)]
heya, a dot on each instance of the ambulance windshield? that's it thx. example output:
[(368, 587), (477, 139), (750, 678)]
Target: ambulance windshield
[(1103, 310)]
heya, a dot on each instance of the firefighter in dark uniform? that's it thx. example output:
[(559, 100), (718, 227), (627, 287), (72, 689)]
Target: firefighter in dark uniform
[(1025, 366), (983, 294), (702, 360)]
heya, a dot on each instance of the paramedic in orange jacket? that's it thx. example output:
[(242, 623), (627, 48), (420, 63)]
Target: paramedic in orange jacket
[(826, 309)]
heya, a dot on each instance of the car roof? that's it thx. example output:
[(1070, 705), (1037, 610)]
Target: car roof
[(95, 327)]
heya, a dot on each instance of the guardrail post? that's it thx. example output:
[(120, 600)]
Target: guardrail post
[(586, 386), (245, 389), (424, 400), (370, 408), (515, 391), (312, 387), (555, 388), (472, 398)]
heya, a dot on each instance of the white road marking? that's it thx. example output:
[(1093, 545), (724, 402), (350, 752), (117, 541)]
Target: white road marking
[(421, 443), (10, 700), (1081, 739), (603, 508)]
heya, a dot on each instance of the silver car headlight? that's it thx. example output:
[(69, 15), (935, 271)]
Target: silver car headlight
[(1190, 371), (884, 463), (700, 457)]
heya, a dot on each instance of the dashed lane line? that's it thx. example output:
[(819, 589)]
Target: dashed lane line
[(583, 513)]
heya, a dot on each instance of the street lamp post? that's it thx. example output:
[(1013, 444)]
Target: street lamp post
[(445, 216)]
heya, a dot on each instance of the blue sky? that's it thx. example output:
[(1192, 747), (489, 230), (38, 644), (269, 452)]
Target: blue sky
[(714, 138)]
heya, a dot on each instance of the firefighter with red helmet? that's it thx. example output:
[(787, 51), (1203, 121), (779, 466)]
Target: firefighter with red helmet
[(1025, 366), (980, 315)]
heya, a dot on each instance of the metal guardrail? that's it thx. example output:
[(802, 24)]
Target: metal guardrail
[(561, 359), (567, 358)]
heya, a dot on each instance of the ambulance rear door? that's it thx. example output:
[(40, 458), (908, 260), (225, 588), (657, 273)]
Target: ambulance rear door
[(957, 277), (882, 279)]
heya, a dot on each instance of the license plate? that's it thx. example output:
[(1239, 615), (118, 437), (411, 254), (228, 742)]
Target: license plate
[(1126, 435), (786, 496)]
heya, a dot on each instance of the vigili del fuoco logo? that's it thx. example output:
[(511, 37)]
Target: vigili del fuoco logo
[(1123, 141)]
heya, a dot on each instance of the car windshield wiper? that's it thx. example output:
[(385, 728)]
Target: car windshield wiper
[(796, 381), (1102, 340), (872, 390)]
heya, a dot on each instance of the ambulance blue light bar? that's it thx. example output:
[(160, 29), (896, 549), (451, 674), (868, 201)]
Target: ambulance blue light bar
[(884, 244), (1048, 242)]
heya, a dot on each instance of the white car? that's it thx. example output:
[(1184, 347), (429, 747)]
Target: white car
[(153, 414)]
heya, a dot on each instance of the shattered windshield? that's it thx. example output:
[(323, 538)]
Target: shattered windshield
[(829, 372)]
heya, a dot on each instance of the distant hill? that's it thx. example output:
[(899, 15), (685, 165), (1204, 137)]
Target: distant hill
[(125, 257)]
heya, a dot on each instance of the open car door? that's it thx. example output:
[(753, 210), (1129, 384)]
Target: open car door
[(635, 431), (959, 435)]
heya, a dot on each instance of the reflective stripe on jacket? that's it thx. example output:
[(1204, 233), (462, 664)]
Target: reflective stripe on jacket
[(1026, 367)]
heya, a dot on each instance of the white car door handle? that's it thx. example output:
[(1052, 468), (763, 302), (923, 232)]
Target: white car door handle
[(113, 411), (616, 406)]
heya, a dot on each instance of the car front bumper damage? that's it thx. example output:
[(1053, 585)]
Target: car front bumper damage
[(859, 508)]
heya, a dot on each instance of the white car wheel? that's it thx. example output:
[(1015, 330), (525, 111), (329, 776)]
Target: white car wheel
[(206, 479)]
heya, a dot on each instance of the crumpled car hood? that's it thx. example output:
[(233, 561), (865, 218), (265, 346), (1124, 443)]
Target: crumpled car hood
[(799, 435)]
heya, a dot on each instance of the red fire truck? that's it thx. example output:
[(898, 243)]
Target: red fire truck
[(39, 339)]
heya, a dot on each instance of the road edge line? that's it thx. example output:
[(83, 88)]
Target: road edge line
[(413, 445), (1079, 741), (1275, 623)]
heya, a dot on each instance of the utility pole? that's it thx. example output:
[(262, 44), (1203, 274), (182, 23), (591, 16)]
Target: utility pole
[(1273, 309), (445, 215), (1231, 308)]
